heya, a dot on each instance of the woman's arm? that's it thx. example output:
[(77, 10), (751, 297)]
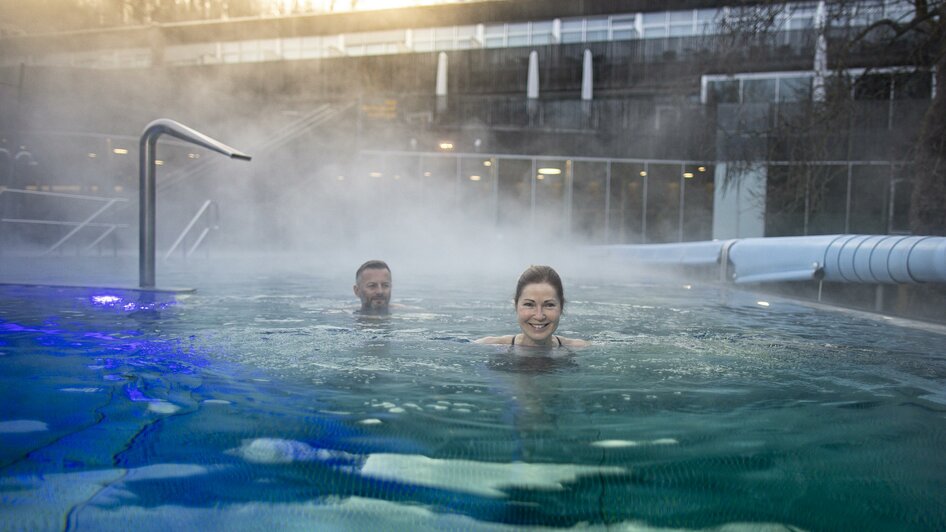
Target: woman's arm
[(495, 340)]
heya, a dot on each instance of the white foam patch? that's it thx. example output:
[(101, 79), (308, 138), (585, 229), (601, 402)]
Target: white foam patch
[(481, 478), (215, 402), (163, 407), (370, 421), (157, 471), (43, 502), (80, 390), (281, 451), (19, 426), (330, 513), (617, 444)]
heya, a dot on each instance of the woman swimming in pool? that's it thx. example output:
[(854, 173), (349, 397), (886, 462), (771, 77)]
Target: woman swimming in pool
[(539, 302)]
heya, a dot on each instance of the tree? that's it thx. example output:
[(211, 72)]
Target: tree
[(856, 34)]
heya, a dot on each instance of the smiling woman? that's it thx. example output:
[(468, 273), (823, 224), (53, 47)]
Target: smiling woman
[(539, 300)]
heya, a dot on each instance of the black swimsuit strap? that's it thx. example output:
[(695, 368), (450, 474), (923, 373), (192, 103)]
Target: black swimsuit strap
[(515, 335)]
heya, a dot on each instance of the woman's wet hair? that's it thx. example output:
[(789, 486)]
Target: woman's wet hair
[(540, 274)]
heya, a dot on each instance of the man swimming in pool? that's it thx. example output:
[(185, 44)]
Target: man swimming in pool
[(539, 302), (373, 287)]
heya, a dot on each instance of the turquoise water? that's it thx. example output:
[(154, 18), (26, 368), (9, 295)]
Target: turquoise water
[(263, 402)]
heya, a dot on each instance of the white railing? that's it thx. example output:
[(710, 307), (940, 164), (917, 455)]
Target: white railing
[(77, 226)]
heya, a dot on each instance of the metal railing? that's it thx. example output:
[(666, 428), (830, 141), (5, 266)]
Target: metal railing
[(77, 226), (210, 213)]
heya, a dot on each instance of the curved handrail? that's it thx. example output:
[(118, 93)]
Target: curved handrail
[(146, 172)]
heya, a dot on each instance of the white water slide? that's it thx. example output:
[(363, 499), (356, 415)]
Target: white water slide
[(889, 259)]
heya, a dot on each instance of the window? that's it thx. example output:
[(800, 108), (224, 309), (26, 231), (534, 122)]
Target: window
[(596, 29), (572, 30), (794, 89), (722, 91), (542, 32), (758, 90), (624, 28)]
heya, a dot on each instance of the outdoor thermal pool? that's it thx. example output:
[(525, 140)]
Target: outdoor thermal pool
[(261, 402)]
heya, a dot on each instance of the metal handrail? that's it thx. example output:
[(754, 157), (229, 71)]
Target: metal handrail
[(76, 226), (316, 117), (215, 216), (147, 189)]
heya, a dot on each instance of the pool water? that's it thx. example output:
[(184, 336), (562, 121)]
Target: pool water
[(263, 402)]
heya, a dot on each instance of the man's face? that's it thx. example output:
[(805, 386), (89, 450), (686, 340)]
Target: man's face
[(373, 287)]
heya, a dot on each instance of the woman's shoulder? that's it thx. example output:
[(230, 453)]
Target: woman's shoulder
[(574, 342), (495, 339)]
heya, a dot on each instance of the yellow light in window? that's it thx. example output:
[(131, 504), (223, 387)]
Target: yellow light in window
[(375, 174), (702, 169), (487, 163), (446, 145), (475, 178), (120, 151), (550, 171), (643, 173), (540, 177), (688, 175), (159, 162)]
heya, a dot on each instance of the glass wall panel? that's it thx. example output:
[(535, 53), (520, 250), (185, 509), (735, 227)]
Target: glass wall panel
[(596, 29), (311, 47), (626, 221), (655, 32), (663, 203), (402, 184), (722, 91), (439, 179), (698, 182), (677, 17), (758, 90), (902, 190), (550, 197), (870, 199), (707, 20), (912, 86), (794, 89), (785, 201), (477, 203), (827, 200), (589, 189), (514, 212)]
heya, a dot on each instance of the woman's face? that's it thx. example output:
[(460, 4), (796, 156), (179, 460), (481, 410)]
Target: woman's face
[(538, 311)]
